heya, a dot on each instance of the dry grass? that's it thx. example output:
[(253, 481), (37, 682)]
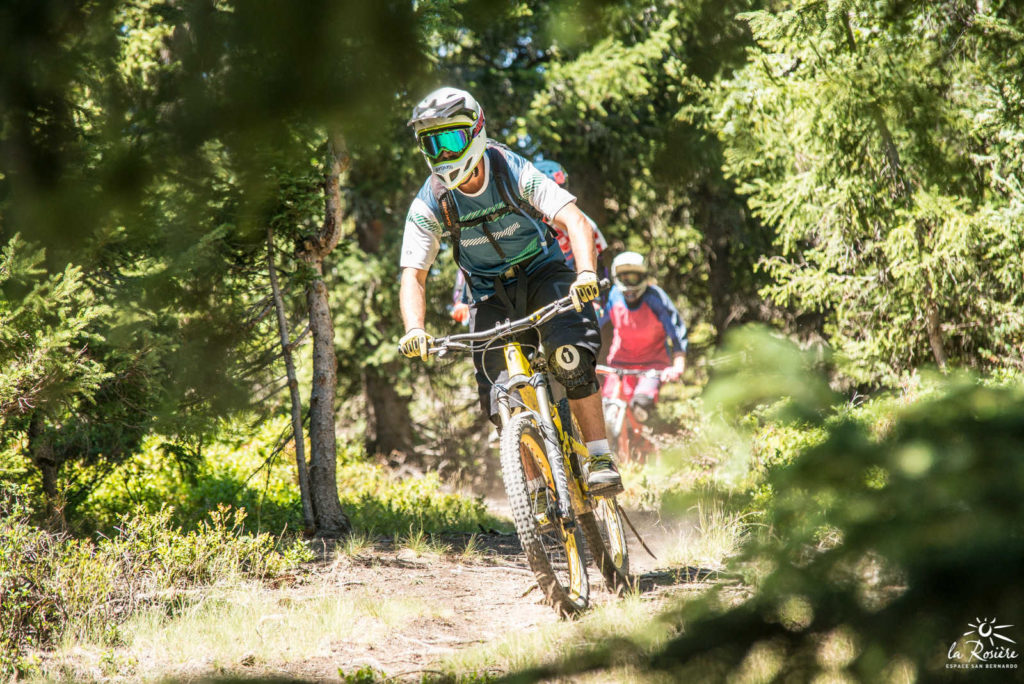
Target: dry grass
[(422, 543), (473, 551), (237, 628), (356, 544), (716, 537)]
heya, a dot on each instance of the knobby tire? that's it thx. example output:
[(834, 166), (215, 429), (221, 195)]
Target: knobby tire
[(557, 563)]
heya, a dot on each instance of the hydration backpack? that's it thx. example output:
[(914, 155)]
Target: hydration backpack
[(513, 203)]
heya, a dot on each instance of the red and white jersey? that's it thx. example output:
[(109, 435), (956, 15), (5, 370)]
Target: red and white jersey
[(563, 241)]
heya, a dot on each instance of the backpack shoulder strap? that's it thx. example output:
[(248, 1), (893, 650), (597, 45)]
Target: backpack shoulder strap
[(449, 217), (508, 190), (443, 196)]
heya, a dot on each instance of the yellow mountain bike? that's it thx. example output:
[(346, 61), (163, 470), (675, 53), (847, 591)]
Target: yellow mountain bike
[(540, 438)]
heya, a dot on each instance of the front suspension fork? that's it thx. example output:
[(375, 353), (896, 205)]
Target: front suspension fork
[(553, 448), (536, 397)]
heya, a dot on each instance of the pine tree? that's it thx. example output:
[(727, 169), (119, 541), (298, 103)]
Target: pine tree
[(871, 137)]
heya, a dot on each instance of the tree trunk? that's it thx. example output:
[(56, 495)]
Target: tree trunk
[(902, 190), (389, 427), (293, 389), (931, 323), (716, 249), (40, 448), (587, 184), (330, 519)]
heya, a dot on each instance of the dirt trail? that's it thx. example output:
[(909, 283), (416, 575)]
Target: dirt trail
[(392, 609), (479, 598)]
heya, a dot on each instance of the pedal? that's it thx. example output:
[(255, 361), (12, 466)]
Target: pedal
[(607, 489)]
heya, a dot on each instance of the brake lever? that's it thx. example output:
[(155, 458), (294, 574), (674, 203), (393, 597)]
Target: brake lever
[(448, 347), (438, 349)]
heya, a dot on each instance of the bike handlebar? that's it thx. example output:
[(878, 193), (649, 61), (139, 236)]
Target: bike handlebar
[(508, 328), (651, 372)]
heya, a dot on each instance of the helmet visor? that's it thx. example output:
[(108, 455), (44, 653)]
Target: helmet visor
[(631, 278), (454, 140)]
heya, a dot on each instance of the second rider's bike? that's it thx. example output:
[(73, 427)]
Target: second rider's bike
[(624, 426), (540, 439)]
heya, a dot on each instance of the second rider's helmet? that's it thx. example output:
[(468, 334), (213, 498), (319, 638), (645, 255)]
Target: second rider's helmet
[(449, 126), (553, 170), (629, 273)]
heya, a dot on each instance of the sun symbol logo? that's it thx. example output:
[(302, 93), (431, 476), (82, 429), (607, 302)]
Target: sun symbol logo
[(987, 629)]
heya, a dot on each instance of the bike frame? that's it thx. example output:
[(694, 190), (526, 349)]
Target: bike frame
[(548, 447), (533, 388), (534, 391)]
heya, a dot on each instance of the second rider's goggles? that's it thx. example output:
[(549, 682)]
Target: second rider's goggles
[(631, 278), (435, 143)]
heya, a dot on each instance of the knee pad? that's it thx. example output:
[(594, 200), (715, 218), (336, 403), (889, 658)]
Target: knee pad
[(574, 367)]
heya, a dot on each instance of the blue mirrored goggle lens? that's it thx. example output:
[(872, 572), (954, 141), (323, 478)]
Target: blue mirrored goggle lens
[(453, 140)]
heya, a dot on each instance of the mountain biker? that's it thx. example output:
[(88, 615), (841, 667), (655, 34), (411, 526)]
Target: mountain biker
[(647, 334), (492, 203), (461, 297)]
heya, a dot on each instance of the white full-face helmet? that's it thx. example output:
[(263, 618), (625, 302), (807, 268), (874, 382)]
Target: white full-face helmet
[(629, 273), (449, 125)]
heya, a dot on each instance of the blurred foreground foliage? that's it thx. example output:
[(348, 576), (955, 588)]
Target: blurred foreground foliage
[(886, 538)]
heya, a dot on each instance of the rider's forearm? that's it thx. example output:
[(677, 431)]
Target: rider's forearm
[(679, 360), (581, 236), (412, 297)]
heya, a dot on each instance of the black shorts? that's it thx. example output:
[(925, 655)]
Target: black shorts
[(545, 285)]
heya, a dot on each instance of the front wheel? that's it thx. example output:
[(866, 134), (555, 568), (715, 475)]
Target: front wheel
[(554, 553)]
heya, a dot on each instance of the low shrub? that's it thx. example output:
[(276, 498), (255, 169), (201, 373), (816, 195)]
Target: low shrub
[(897, 539), (377, 500), (240, 469), (53, 585), (245, 473)]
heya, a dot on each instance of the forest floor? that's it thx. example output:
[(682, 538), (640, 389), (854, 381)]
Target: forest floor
[(446, 604)]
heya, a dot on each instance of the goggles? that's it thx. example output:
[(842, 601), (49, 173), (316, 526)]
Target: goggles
[(437, 142), (631, 278)]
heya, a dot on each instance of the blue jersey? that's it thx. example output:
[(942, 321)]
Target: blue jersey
[(520, 237)]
